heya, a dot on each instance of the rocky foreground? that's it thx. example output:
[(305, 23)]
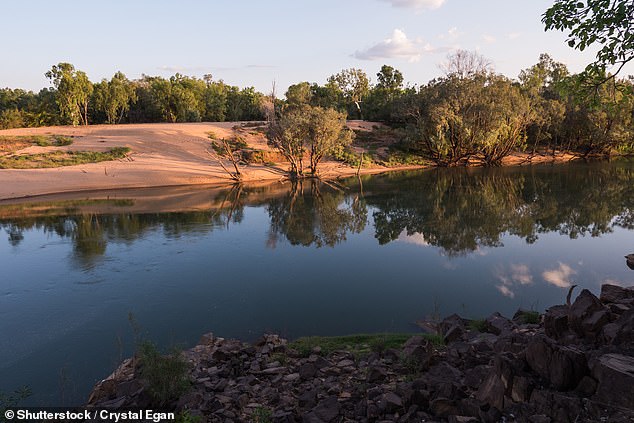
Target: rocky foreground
[(575, 365)]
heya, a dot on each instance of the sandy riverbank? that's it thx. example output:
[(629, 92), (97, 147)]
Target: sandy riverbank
[(163, 154)]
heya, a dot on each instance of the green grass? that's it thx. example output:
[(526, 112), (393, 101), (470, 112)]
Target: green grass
[(478, 325), (60, 158), (526, 316), (11, 143), (262, 415), (166, 376), (359, 345)]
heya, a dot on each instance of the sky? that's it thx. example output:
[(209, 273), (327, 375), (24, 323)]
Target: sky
[(256, 42)]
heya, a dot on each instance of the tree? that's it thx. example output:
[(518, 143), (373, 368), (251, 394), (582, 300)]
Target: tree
[(390, 79), (309, 129), (114, 97), (327, 132), (73, 92), (287, 134), (354, 85), (465, 64), (299, 94), (606, 23)]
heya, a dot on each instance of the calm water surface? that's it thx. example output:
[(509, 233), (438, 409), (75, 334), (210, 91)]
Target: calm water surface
[(368, 255)]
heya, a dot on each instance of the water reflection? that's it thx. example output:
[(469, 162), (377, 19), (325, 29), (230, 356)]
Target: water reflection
[(315, 214), (459, 211)]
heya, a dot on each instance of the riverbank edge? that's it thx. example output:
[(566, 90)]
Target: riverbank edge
[(335, 171), (575, 364)]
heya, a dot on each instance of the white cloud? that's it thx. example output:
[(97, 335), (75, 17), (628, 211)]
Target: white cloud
[(417, 4), (489, 39), (417, 239), (559, 276), (520, 273), (514, 35), (398, 46), (506, 291)]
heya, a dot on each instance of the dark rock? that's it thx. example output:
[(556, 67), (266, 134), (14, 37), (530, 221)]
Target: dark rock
[(583, 308), (593, 324), (390, 402), (562, 366), (462, 419), (587, 387), (307, 371), (328, 409), (376, 374), (499, 325), (453, 334), (474, 377), (492, 391), (452, 321), (444, 407), (521, 389), (556, 321), (615, 376), (615, 294), (419, 350)]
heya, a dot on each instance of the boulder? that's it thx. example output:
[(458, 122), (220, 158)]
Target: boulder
[(419, 350), (556, 321), (562, 366), (615, 293), (615, 376), (499, 325), (584, 307)]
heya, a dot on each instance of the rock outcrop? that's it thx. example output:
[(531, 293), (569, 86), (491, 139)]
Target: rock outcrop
[(576, 365)]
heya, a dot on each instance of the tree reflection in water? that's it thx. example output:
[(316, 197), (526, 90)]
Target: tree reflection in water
[(456, 210)]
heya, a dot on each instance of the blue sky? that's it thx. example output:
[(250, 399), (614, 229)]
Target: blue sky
[(252, 43)]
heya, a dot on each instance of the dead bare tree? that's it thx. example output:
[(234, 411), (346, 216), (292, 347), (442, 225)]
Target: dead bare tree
[(221, 150), (464, 63)]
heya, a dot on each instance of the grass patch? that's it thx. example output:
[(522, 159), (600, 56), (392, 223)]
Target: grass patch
[(262, 415), (166, 375), (478, 325), (359, 345), (527, 316), (11, 143), (61, 158)]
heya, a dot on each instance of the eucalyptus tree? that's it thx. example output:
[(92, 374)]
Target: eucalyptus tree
[(73, 92), (113, 97), (354, 84), (606, 24)]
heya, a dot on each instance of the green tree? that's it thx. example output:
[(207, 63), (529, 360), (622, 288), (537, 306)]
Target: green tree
[(114, 97), (327, 133), (73, 92), (608, 24), (299, 94), (354, 84)]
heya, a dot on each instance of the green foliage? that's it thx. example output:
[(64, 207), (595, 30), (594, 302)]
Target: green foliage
[(354, 86), (60, 158), (362, 344), (12, 400), (114, 97), (528, 316), (262, 415), (187, 417), (605, 23), (73, 92), (307, 129), (478, 325), (166, 375)]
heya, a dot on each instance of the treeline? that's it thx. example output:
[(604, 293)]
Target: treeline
[(471, 114), (75, 100)]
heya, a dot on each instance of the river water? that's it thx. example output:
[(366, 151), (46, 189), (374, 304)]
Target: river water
[(85, 275)]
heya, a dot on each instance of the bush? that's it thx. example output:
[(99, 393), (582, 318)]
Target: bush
[(166, 375)]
